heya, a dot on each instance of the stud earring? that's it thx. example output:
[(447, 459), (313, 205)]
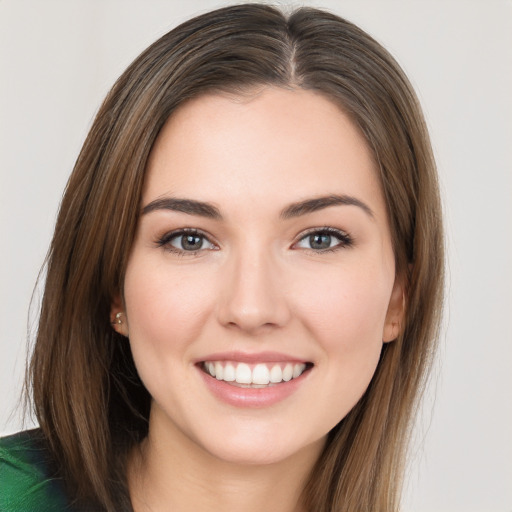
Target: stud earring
[(117, 319)]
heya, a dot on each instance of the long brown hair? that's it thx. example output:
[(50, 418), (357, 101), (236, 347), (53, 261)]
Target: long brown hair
[(87, 396)]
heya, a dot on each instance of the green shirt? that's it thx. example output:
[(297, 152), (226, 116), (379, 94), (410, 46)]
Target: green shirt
[(27, 482)]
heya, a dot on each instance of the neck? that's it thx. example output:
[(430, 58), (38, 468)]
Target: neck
[(171, 472)]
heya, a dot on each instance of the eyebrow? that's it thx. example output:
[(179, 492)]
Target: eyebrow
[(319, 203), (203, 209), (189, 206)]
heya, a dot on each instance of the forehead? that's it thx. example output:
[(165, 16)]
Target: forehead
[(275, 145)]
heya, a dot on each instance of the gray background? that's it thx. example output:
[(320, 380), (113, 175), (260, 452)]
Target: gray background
[(57, 61)]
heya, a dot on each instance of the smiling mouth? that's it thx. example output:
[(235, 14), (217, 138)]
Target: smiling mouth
[(258, 375)]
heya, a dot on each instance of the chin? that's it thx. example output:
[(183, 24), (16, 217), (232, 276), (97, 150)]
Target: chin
[(261, 449)]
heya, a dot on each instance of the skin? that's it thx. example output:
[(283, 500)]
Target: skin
[(255, 285)]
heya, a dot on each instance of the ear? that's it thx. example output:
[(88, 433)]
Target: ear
[(118, 318), (396, 312)]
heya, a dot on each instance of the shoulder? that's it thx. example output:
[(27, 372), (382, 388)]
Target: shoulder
[(27, 482)]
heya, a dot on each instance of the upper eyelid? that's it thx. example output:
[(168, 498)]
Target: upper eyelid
[(323, 229), (166, 237), (193, 231)]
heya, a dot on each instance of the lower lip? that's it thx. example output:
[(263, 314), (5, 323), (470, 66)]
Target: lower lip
[(251, 397)]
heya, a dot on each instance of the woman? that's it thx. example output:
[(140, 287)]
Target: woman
[(244, 285)]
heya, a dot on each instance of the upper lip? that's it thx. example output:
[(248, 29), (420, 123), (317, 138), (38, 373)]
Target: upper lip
[(256, 357)]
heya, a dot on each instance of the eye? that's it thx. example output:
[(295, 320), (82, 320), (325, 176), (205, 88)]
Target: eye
[(324, 239), (186, 241)]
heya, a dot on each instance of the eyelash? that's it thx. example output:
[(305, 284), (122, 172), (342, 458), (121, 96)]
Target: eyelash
[(165, 241), (345, 240)]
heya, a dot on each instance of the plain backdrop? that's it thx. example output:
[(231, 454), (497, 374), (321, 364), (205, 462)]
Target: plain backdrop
[(59, 58)]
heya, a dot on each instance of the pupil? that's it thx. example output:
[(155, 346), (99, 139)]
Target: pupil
[(191, 242), (320, 241)]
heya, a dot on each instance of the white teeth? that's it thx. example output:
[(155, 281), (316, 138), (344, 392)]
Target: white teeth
[(287, 372), (243, 374), (262, 374), (229, 373), (276, 374), (219, 371), (298, 369)]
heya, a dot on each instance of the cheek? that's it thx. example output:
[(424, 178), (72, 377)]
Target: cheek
[(346, 321), (345, 313), (350, 306), (165, 309)]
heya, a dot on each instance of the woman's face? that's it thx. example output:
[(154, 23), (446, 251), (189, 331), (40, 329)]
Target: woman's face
[(261, 283)]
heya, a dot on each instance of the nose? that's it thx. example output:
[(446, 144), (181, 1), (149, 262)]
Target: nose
[(252, 296)]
